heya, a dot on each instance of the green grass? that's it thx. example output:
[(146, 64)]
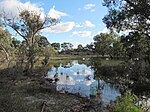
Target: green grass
[(89, 59), (111, 62)]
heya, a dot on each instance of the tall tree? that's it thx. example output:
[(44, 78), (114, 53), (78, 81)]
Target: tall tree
[(56, 46), (42, 41), (28, 26), (134, 16), (90, 47), (66, 46), (128, 14), (80, 48), (117, 49), (103, 43), (136, 46)]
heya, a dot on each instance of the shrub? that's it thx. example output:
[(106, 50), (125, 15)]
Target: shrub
[(126, 104)]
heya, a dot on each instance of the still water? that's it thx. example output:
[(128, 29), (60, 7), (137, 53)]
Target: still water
[(79, 79)]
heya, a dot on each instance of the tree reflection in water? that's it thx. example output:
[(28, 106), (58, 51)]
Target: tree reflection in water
[(79, 79)]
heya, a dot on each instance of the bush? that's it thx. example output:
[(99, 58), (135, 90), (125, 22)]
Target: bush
[(126, 104)]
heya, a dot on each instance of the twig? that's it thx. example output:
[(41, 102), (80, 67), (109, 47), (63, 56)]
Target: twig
[(43, 106)]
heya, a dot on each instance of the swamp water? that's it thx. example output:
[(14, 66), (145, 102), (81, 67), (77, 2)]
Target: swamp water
[(79, 79)]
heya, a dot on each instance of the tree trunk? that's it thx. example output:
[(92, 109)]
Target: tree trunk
[(30, 55), (99, 88), (6, 53), (148, 59), (30, 61)]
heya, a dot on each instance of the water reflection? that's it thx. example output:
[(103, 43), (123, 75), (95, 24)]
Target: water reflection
[(79, 79)]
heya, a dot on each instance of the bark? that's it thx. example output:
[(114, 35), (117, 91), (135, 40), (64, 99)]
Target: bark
[(148, 59), (99, 88), (5, 52), (30, 55), (30, 61)]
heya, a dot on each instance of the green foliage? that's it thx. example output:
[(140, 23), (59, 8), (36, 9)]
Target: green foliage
[(80, 48), (48, 51), (56, 46), (5, 43), (117, 50), (16, 43), (103, 43), (28, 26), (131, 15), (126, 104), (66, 47), (89, 47), (42, 41), (127, 14), (5, 37)]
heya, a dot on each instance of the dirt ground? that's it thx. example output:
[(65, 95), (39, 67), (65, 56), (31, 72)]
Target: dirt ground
[(26, 94)]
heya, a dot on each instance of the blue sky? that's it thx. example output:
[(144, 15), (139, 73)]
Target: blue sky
[(80, 20)]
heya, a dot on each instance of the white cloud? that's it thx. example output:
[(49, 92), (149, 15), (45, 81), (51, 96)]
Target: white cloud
[(89, 24), (89, 7), (105, 30), (13, 7), (92, 10), (82, 33), (85, 24), (61, 27), (56, 14)]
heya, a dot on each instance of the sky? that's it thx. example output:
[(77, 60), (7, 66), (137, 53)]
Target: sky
[(79, 20)]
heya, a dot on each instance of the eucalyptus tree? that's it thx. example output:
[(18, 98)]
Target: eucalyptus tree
[(42, 41), (45, 49), (66, 47), (80, 48), (5, 43), (28, 25), (56, 46), (134, 16), (117, 49), (103, 43), (128, 14), (90, 47)]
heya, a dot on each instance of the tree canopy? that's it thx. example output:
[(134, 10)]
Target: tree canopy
[(103, 43), (56, 46), (133, 16), (128, 14), (28, 26), (66, 46)]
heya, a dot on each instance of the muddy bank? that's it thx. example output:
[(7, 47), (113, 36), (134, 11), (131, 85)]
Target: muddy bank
[(24, 94)]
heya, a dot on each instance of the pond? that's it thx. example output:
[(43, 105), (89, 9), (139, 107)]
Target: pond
[(79, 79)]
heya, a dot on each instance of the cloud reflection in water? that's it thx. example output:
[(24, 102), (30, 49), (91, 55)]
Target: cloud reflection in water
[(79, 78)]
